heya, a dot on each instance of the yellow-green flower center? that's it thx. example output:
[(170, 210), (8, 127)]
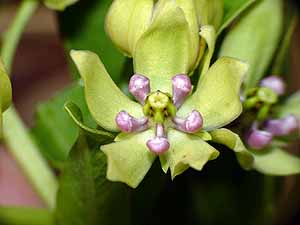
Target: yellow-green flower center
[(159, 106)]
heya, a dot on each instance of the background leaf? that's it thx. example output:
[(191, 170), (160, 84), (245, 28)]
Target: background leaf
[(232, 9), (82, 27), (54, 131), (85, 197), (255, 38)]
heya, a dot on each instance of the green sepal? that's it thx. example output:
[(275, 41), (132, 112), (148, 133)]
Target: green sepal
[(210, 12), (104, 99), (129, 159), (5, 93), (276, 161), (59, 4), (208, 33), (217, 96), (255, 38), (233, 141), (126, 21), (186, 151), (98, 135), (163, 50)]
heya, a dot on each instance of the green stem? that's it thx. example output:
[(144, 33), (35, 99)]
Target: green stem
[(12, 36), (15, 134)]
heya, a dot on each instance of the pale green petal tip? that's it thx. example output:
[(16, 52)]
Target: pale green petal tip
[(129, 159), (276, 162), (183, 165), (232, 141)]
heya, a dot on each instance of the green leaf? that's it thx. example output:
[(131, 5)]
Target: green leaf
[(126, 21), (87, 32), (187, 151), (98, 135), (25, 216), (275, 161), (85, 197), (54, 130), (232, 9), (233, 141), (104, 99), (290, 106), (129, 159), (156, 55), (217, 96), (255, 38), (5, 93), (59, 4)]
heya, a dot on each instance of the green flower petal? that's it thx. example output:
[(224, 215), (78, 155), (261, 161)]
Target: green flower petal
[(59, 4), (98, 135), (187, 151), (126, 21), (163, 50), (277, 162), (233, 141), (217, 95), (103, 97), (129, 159), (5, 93)]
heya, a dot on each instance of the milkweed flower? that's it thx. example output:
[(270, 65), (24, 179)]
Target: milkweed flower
[(170, 119)]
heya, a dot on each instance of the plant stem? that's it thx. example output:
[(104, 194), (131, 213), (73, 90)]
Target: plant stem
[(15, 134), (12, 36)]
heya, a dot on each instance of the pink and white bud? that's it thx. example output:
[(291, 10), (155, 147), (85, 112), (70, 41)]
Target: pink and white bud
[(139, 87), (275, 83), (282, 127), (128, 123), (258, 139), (191, 124), (182, 87), (158, 145)]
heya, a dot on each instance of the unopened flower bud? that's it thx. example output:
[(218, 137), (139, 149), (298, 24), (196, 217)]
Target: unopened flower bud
[(128, 123), (191, 124), (181, 88), (275, 83), (281, 127), (139, 87), (258, 139)]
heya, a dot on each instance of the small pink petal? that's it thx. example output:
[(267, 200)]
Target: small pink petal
[(139, 87), (181, 88), (158, 145), (281, 127), (191, 124), (258, 139), (128, 123)]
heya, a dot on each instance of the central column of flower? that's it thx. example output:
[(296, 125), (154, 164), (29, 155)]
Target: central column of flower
[(160, 111)]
